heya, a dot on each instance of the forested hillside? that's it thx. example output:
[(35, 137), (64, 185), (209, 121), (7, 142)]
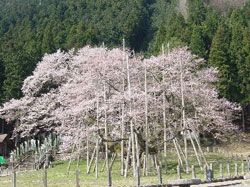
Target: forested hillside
[(31, 28)]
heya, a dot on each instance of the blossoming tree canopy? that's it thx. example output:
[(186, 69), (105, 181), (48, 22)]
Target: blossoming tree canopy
[(75, 94)]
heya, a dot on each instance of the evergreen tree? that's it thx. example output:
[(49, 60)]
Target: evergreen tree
[(219, 57), (17, 67), (197, 44), (1, 79), (160, 39), (209, 27), (196, 11), (244, 67), (48, 41)]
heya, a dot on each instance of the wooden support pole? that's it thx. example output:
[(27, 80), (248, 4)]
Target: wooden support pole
[(179, 171), (97, 159), (146, 118), (137, 151), (91, 161), (195, 150), (228, 171), (104, 164), (178, 154), (77, 178), (128, 155), (123, 108), (77, 162), (106, 128), (131, 122), (144, 165), (159, 174), (109, 178), (113, 161), (164, 114), (236, 169), (193, 172), (181, 151), (201, 151), (87, 154), (221, 171), (205, 172), (138, 177), (211, 167), (13, 179), (70, 160), (153, 163), (44, 177), (160, 159), (243, 168)]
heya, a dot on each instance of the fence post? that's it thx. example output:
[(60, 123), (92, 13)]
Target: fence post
[(205, 172), (221, 171), (44, 177), (13, 179), (159, 174), (179, 171), (243, 168), (193, 172), (138, 177), (228, 170), (77, 178), (109, 178), (236, 169)]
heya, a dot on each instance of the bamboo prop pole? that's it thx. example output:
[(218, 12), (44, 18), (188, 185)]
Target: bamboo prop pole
[(104, 164), (44, 177), (97, 158), (113, 160), (77, 163), (195, 151), (160, 157), (144, 165), (137, 151), (106, 128), (146, 119), (97, 138), (201, 151), (181, 151), (91, 161), (109, 178), (122, 128), (178, 154), (164, 114), (87, 153), (77, 178), (131, 123), (70, 160), (184, 117), (128, 155)]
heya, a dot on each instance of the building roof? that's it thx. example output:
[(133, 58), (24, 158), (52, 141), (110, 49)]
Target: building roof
[(3, 137)]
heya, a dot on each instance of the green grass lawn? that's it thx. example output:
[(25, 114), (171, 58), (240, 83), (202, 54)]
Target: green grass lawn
[(58, 178)]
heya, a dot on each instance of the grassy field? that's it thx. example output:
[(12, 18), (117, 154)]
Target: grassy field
[(57, 175)]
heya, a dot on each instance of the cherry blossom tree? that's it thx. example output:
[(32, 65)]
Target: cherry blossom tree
[(84, 93)]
